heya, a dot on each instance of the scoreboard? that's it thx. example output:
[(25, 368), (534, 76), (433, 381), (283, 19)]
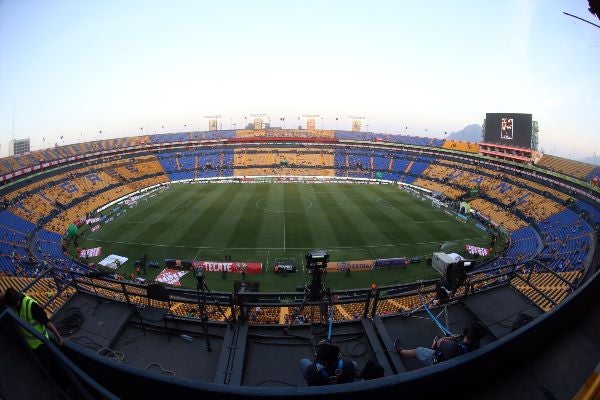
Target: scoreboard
[(508, 129)]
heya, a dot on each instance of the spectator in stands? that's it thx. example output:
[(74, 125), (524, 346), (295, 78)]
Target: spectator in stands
[(446, 347), (328, 367)]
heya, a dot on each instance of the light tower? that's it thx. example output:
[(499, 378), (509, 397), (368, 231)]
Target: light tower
[(356, 123), (258, 120), (214, 123), (311, 121)]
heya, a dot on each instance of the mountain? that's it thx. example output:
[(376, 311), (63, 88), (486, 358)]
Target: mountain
[(470, 133)]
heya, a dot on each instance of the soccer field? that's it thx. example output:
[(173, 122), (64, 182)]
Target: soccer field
[(262, 222)]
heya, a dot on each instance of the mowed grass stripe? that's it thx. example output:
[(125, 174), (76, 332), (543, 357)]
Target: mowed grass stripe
[(220, 219), (392, 226), (322, 233), (145, 209), (347, 229), (245, 231), (130, 227), (182, 226), (271, 229), (399, 204), (396, 202), (299, 230), (438, 225), (367, 231)]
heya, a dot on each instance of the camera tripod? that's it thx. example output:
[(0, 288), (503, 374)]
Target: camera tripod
[(317, 296)]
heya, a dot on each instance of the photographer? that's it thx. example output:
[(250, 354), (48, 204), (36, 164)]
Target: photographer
[(446, 347), (328, 368)]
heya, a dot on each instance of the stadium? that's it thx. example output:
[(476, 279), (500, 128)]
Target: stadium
[(264, 241)]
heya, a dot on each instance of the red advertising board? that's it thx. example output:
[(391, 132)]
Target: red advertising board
[(229, 266)]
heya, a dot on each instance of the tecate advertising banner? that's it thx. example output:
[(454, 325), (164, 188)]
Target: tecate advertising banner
[(229, 266)]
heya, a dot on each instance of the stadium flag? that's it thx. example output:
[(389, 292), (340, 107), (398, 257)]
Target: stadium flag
[(170, 276), (93, 252), (482, 251)]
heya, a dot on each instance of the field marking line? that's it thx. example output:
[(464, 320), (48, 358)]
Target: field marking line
[(149, 202), (197, 254), (372, 254), (308, 204), (185, 203), (383, 203)]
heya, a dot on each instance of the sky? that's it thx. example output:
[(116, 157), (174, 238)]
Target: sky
[(72, 68)]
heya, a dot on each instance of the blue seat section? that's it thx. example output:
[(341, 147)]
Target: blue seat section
[(170, 137), (419, 165), (359, 163), (592, 212), (595, 173), (185, 136), (14, 234), (213, 135), (182, 164), (567, 239), (349, 135), (524, 245), (339, 160), (401, 139), (381, 163), (48, 247), (391, 165)]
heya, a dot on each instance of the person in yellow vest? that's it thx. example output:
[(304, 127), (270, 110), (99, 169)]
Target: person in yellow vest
[(31, 312)]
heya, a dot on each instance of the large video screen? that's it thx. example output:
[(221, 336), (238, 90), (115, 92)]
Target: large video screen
[(509, 129)]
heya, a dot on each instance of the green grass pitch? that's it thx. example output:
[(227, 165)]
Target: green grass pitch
[(262, 222)]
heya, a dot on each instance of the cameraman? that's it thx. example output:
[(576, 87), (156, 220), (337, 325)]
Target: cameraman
[(328, 368), (446, 347)]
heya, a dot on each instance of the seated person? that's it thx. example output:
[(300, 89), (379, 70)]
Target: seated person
[(328, 367), (446, 347)]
